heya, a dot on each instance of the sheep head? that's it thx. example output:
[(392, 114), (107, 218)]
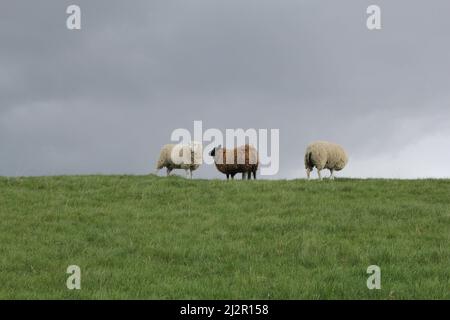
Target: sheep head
[(212, 153)]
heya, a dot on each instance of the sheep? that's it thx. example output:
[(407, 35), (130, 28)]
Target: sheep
[(243, 159), (324, 155), (180, 156)]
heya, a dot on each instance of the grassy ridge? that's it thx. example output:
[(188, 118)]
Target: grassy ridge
[(149, 237)]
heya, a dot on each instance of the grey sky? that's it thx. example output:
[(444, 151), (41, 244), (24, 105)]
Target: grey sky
[(106, 98)]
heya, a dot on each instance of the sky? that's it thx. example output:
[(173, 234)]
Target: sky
[(106, 98)]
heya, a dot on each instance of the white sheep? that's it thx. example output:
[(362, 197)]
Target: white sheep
[(325, 155), (180, 156)]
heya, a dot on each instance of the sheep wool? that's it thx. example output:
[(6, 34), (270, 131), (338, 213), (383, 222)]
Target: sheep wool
[(180, 156), (243, 159), (325, 155)]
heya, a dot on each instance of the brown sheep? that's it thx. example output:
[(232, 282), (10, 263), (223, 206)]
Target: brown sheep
[(243, 159)]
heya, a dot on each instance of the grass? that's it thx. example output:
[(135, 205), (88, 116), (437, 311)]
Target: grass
[(145, 237)]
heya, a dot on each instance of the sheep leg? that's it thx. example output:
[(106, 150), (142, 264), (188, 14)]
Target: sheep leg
[(254, 174), (249, 175), (187, 173), (190, 172), (244, 175), (331, 174), (228, 176), (318, 172), (232, 176), (168, 171), (308, 173)]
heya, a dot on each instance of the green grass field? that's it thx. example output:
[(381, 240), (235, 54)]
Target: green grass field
[(145, 237)]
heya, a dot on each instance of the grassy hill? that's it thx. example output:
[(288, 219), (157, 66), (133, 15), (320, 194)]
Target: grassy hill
[(147, 237)]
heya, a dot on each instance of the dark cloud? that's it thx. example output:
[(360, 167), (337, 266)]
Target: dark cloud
[(104, 99)]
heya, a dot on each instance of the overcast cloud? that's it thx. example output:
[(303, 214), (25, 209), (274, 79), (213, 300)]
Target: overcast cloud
[(106, 98)]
